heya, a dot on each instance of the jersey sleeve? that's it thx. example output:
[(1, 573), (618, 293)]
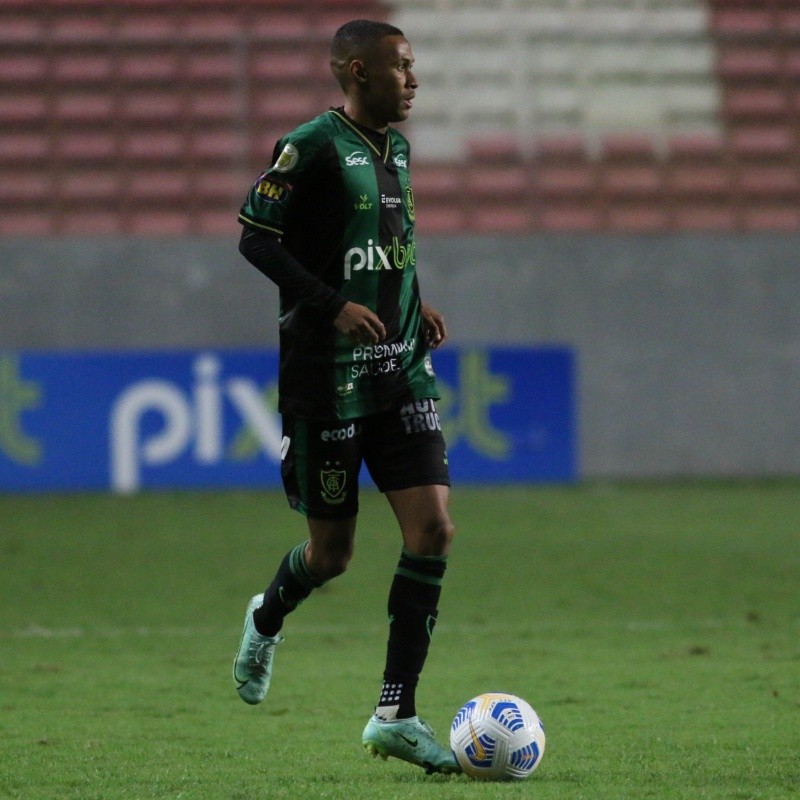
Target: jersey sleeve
[(265, 205)]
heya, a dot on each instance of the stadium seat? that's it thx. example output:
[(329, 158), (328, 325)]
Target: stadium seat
[(25, 222), (221, 146), (742, 23), (153, 146), (90, 29), (564, 182), (18, 69), (17, 29), (89, 185), (158, 185), (148, 67), (756, 104), (26, 185), (444, 218), (148, 28), (569, 218), (93, 68), (160, 106), (748, 64), (780, 181), (704, 216), (87, 108), (638, 218), (784, 218), (763, 142), (500, 218), (88, 147), (23, 109), (24, 147)]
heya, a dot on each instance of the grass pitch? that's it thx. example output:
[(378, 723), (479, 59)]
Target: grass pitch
[(655, 628)]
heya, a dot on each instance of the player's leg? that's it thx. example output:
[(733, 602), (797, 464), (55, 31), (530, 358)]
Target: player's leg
[(395, 729), (411, 469), (414, 594), (328, 496)]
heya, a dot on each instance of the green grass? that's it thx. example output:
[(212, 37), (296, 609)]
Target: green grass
[(655, 628)]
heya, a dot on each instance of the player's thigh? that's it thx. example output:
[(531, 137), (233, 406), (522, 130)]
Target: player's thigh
[(406, 455), (320, 464)]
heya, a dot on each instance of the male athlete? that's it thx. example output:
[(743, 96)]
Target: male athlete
[(331, 222)]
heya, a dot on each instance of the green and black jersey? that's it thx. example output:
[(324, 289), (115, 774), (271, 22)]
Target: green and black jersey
[(343, 207)]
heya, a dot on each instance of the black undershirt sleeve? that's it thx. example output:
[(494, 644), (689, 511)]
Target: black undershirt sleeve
[(266, 253)]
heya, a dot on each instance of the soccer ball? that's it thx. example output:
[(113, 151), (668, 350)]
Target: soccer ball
[(497, 736)]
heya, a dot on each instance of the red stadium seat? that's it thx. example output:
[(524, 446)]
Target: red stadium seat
[(88, 67), (742, 23), (26, 222), (638, 218), (770, 181), (748, 63), (763, 142), (783, 218), (24, 147), (708, 216), (148, 67), (564, 182), (570, 218), (756, 103), (26, 185), (21, 69), (507, 218), (90, 29), (444, 218), (23, 109)]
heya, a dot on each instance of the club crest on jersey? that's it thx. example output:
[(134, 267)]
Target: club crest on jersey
[(401, 161), (288, 159), (333, 483)]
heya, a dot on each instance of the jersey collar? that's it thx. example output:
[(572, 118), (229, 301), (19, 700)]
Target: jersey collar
[(350, 124)]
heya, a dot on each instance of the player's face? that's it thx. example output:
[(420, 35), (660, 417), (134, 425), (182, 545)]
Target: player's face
[(391, 82)]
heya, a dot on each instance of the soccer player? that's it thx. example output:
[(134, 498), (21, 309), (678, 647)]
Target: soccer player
[(331, 222)]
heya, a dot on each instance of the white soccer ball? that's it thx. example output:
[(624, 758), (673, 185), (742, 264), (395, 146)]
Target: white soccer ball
[(497, 736)]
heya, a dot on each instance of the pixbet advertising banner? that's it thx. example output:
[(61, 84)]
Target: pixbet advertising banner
[(128, 421)]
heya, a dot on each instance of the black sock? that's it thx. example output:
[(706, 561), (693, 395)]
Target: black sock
[(413, 604), (293, 582)]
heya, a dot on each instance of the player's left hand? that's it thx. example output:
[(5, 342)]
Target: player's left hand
[(433, 327)]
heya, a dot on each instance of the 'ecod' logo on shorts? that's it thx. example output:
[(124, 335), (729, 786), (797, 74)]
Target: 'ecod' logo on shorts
[(341, 434)]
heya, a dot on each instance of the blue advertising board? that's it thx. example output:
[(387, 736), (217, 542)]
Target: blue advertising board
[(128, 421)]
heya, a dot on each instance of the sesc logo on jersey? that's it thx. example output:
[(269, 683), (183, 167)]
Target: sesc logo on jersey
[(288, 159), (358, 158)]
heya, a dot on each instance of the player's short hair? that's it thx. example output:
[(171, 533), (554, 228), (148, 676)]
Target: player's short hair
[(353, 40)]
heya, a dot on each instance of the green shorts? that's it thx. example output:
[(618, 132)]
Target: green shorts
[(321, 460)]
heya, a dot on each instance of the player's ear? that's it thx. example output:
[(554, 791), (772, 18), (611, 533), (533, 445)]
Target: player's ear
[(358, 70)]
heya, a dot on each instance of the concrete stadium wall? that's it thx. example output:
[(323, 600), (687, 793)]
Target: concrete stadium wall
[(688, 346)]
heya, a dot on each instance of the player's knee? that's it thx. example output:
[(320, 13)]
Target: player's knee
[(437, 537), (330, 561)]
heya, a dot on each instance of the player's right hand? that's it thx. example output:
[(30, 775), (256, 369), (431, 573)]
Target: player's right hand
[(360, 324)]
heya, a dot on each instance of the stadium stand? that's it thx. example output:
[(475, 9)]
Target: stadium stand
[(151, 117)]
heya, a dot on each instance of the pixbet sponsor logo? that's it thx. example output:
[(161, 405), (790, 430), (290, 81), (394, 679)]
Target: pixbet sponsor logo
[(188, 420), (375, 257)]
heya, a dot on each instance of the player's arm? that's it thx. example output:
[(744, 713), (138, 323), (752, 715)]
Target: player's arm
[(433, 326), (266, 253)]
